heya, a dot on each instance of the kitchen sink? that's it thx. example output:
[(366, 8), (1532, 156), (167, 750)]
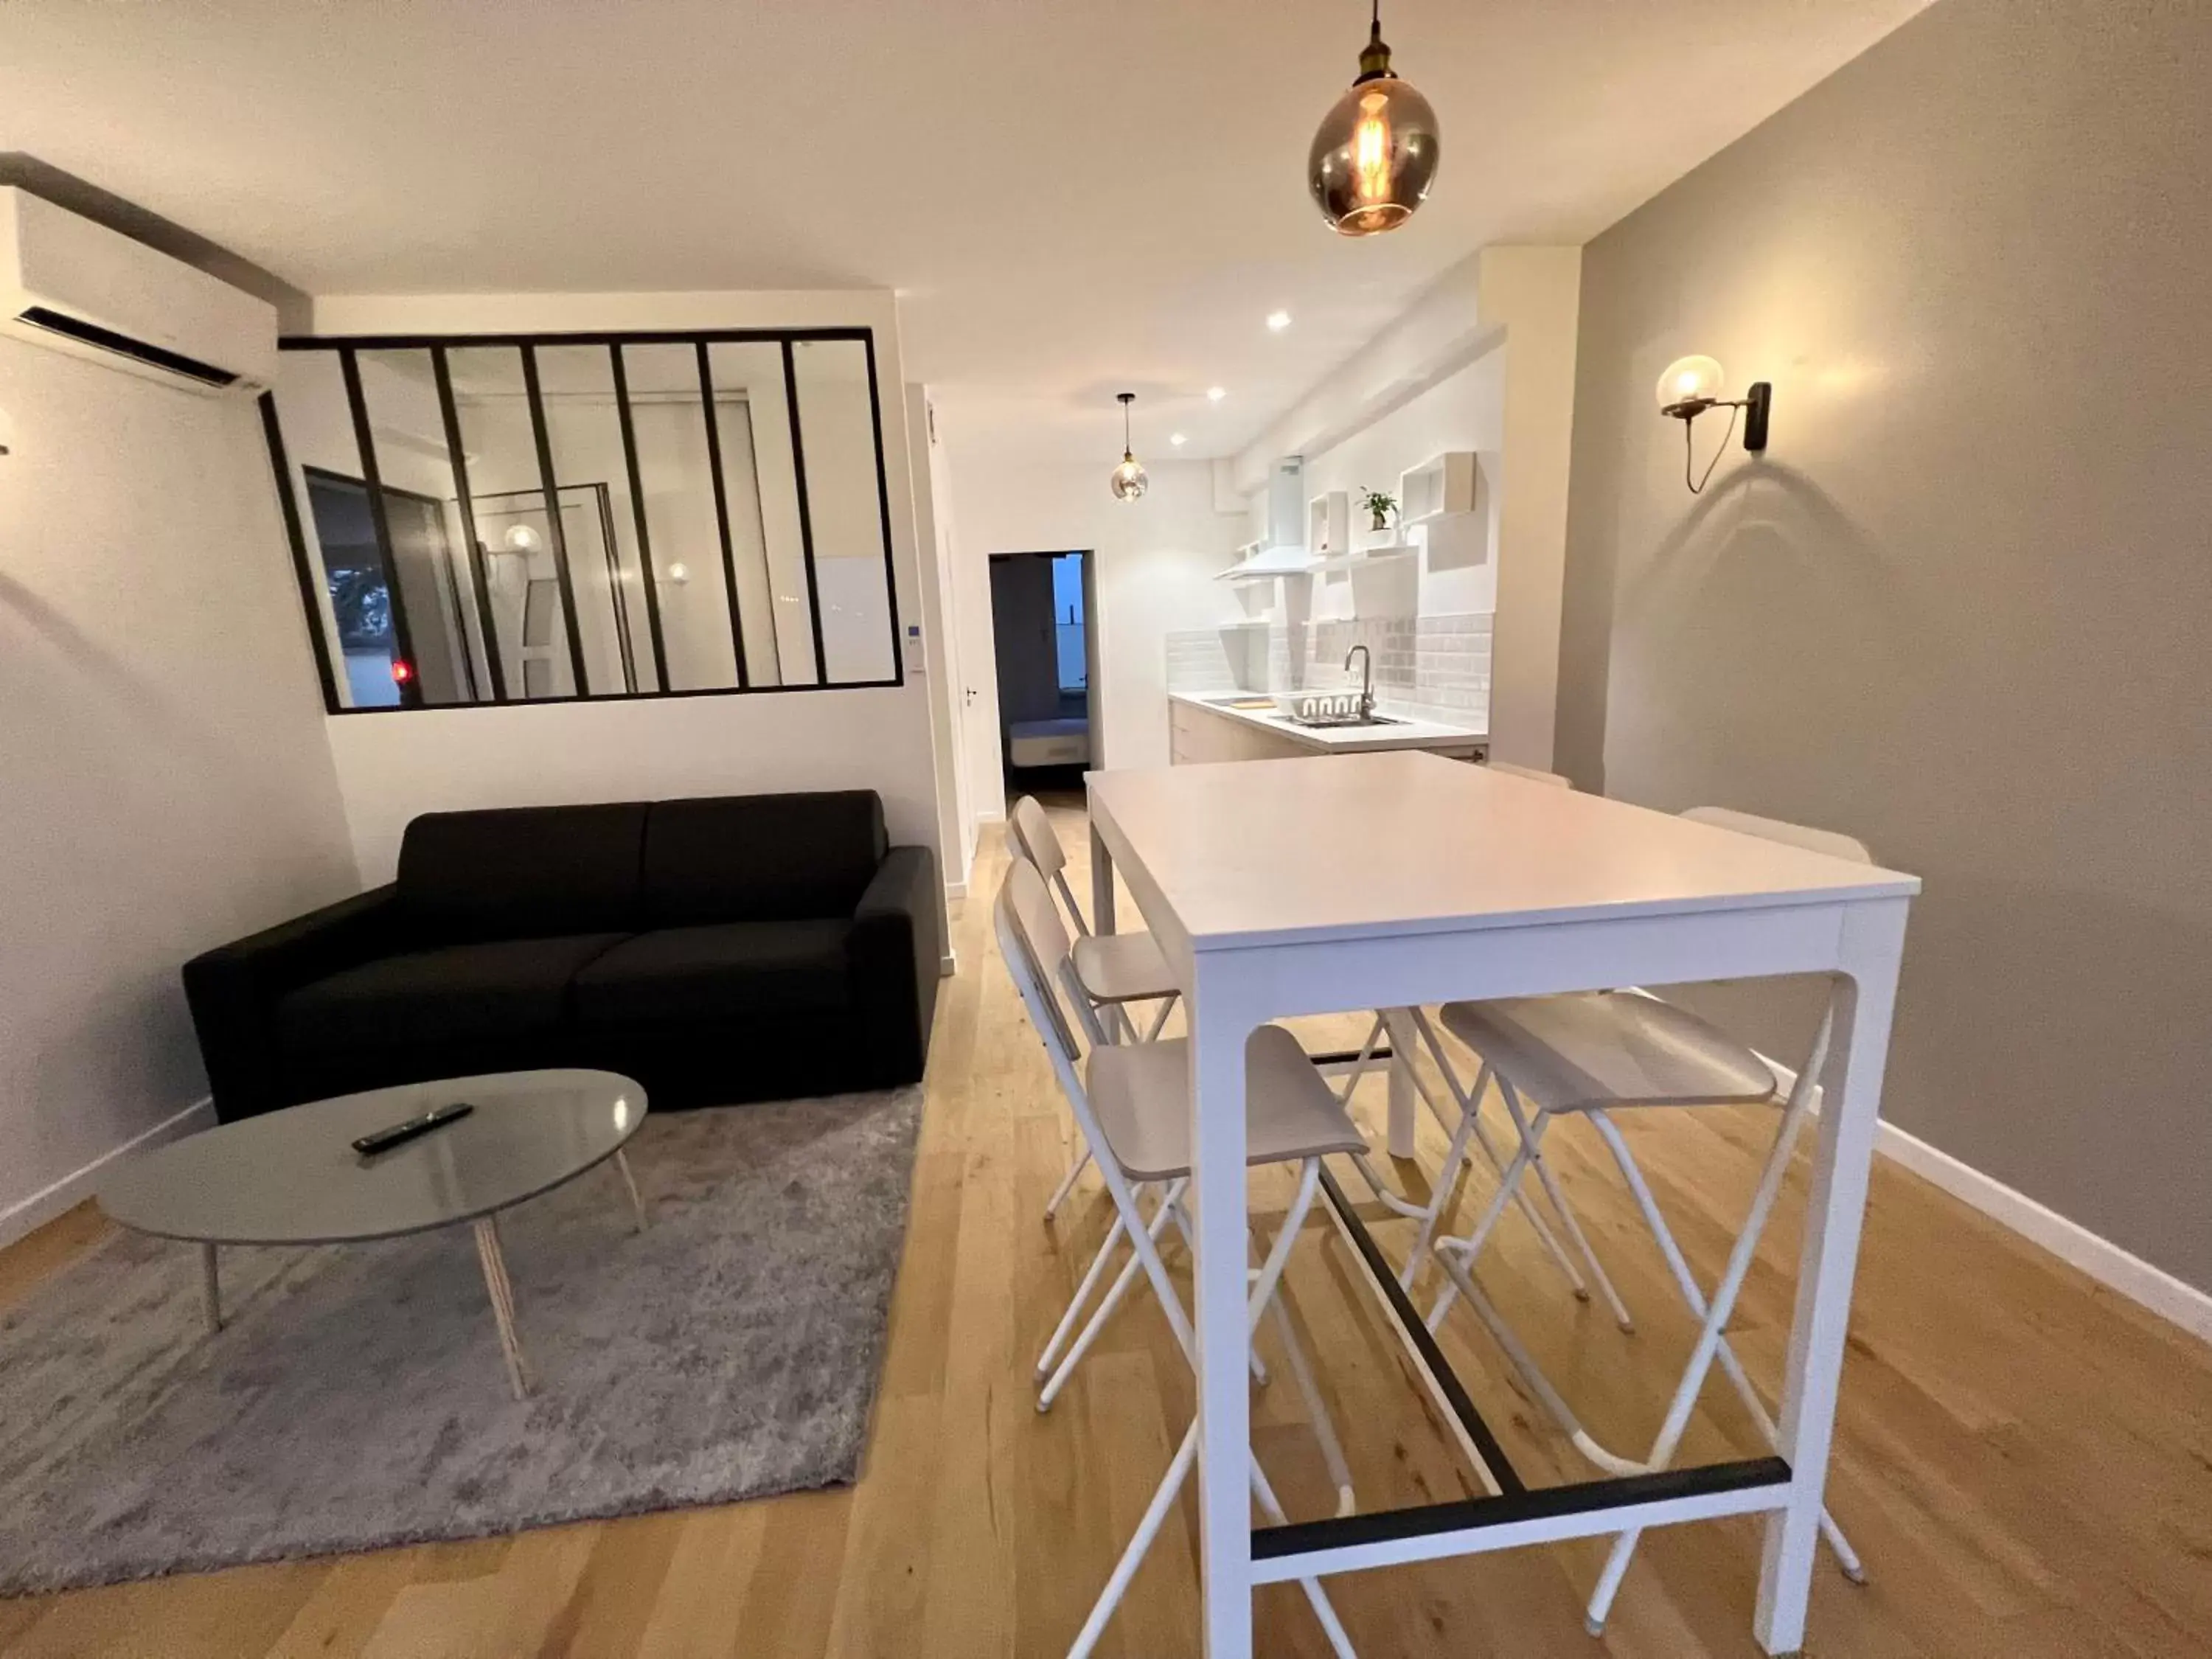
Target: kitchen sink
[(1342, 722)]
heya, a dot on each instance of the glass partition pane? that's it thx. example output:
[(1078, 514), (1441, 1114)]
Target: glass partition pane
[(852, 573), (614, 612), (675, 483), (352, 587), (558, 518), (537, 640), (752, 419), (433, 584)]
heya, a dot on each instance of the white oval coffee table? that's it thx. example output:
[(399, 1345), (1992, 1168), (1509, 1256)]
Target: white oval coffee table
[(293, 1177)]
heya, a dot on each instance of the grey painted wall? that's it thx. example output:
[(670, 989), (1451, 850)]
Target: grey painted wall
[(1963, 608)]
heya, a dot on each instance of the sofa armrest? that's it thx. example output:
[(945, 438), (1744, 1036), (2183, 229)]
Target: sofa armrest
[(233, 991), (896, 947)]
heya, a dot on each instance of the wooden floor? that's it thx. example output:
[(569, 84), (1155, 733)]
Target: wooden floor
[(2024, 1461)]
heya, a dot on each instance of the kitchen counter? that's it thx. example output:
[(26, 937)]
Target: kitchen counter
[(1405, 732)]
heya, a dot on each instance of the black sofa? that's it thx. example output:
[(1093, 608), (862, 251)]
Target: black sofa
[(722, 950)]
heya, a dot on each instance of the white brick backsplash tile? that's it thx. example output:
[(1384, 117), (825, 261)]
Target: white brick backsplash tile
[(1436, 662)]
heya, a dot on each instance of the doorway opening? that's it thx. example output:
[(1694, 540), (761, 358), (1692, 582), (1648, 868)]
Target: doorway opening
[(1042, 610)]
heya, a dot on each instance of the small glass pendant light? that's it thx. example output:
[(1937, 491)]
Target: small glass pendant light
[(1128, 479), (1374, 155)]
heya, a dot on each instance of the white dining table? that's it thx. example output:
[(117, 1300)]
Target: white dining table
[(1343, 883)]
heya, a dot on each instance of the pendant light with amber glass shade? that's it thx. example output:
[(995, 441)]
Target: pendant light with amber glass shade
[(1374, 155)]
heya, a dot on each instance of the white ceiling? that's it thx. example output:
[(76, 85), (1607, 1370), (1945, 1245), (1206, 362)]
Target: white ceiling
[(1069, 199)]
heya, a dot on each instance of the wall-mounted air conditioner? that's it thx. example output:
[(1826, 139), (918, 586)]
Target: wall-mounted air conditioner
[(81, 287)]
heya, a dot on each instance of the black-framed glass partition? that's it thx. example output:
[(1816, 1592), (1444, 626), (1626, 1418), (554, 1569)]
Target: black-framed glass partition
[(543, 519)]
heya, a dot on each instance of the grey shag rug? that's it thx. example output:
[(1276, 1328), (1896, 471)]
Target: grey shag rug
[(356, 1398)]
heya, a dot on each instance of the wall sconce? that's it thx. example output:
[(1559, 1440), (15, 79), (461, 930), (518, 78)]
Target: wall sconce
[(1692, 385), (679, 573)]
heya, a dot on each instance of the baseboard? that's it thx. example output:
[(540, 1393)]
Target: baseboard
[(2150, 1287), (29, 1214)]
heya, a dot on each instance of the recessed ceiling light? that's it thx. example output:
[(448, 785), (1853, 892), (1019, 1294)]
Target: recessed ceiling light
[(1278, 320), (1214, 394), (1177, 439)]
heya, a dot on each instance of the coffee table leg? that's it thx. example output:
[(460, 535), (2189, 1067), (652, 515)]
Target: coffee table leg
[(210, 1289), (621, 1163), (502, 1303)]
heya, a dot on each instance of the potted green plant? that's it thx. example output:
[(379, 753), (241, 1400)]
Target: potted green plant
[(1380, 505)]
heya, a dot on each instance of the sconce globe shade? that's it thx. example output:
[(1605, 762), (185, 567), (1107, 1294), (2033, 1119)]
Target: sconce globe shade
[(1690, 384), (1128, 481), (1374, 155), (679, 573), (522, 538)]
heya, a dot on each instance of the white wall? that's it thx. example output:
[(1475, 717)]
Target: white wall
[(1465, 410), (1154, 561), (1518, 305), (392, 767), (1536, 295), (167, 786), (940, 664)]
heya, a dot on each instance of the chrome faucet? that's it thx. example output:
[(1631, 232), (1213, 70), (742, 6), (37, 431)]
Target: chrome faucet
[(1366, 679)]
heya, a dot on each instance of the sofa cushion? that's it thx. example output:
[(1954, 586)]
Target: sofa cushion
[(761, 858), (690, 975), (505, 988), (515, 872)]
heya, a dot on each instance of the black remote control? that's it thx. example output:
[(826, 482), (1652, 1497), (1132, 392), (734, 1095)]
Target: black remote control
[(436, 1118)]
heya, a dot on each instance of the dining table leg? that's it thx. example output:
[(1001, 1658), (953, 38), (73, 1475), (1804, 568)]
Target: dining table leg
[(1101, 883), (1220, 1025), (1872, 946), (1403, 1101)]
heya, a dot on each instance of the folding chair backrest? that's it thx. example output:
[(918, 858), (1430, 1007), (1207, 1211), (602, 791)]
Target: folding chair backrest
[(1530, 773), (1034, 836), (1045, 944), (1834, 844), (1034, 947), (1033, 830)]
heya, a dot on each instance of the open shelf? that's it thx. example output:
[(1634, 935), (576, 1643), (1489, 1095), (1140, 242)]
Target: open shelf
[(1328, 524), (1439, 487), (1366, 555)]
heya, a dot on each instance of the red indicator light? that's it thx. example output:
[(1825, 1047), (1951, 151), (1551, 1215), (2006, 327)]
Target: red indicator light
[(402, 670)]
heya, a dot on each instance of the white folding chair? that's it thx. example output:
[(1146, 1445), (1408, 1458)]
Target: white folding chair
[(1131, 1104), (1114, 970), (1465, 1127), (1111, 969), (1589, 1054)]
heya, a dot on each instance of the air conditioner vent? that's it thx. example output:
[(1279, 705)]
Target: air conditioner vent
[(72, 285), (154, 357)]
